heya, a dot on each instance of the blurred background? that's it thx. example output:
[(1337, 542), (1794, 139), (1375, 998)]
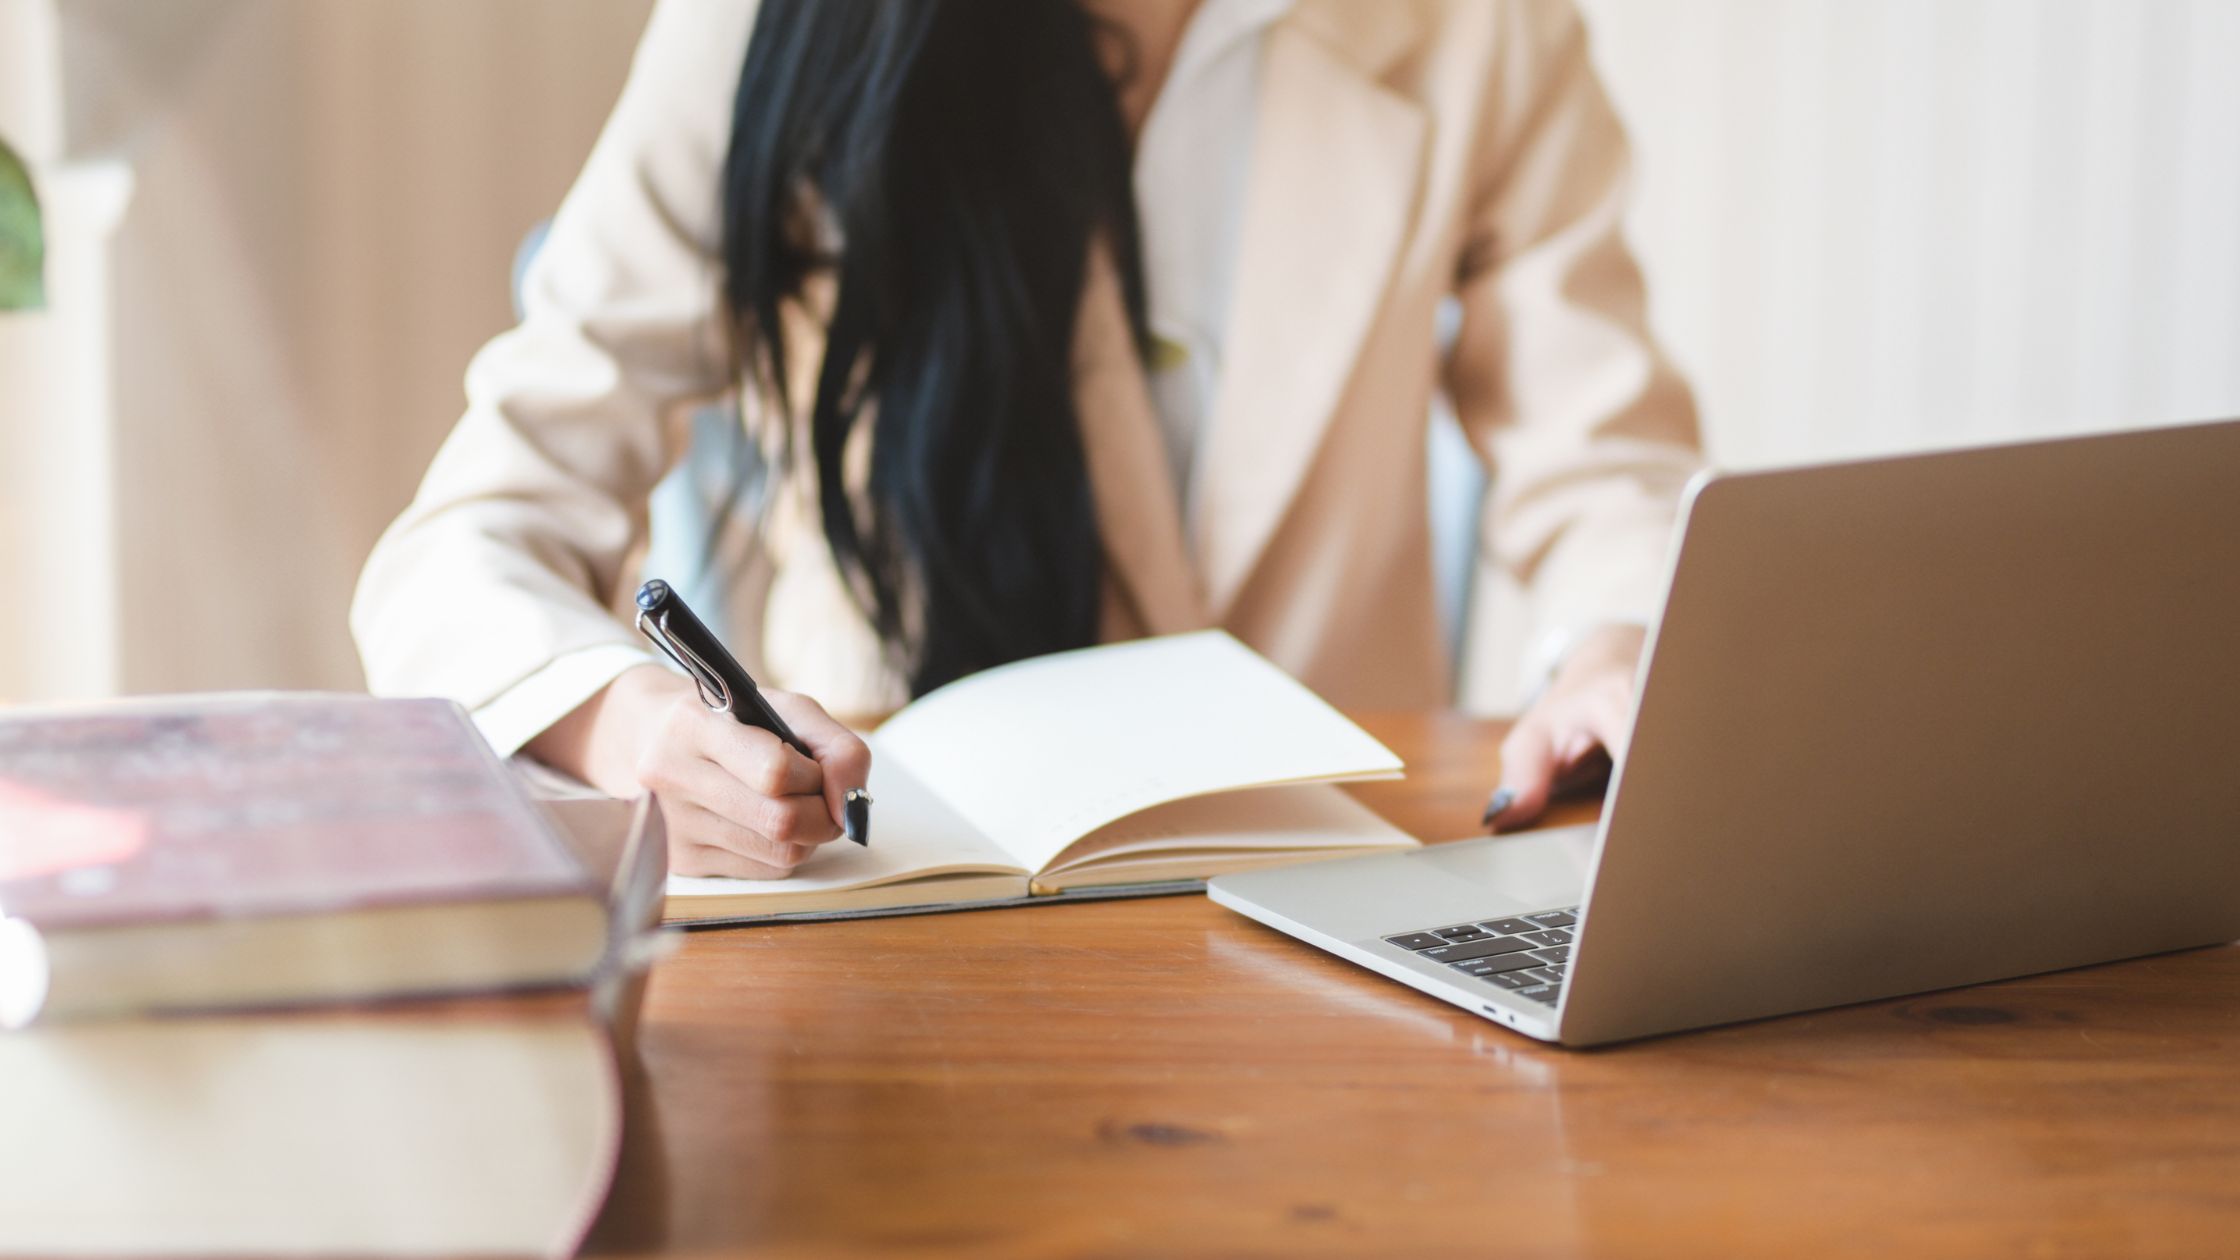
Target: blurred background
[(279, 228)]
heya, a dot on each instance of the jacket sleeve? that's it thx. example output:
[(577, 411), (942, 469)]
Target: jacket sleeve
[(1590, 434), (499, 586)]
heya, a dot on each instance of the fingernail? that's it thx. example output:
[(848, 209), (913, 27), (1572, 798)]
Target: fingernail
[(1498, 805)]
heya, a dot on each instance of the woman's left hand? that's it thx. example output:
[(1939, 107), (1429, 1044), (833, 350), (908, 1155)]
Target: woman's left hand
[(1584, 716)]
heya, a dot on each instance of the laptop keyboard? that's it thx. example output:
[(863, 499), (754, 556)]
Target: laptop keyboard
[(1527, 955)]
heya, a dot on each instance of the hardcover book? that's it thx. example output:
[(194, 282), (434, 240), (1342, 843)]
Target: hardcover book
[(252, 850), (470, 1125)]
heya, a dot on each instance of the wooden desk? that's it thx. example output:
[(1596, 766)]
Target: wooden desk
[(1164, 1077)]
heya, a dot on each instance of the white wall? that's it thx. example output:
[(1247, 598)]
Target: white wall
[(1880, 224), (328, 195), (58, 544)]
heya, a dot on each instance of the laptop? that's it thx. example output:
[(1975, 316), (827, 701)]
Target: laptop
[(1904, 724)]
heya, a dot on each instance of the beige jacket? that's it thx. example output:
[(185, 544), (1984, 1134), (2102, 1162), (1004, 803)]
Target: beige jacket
[(1406, 151)]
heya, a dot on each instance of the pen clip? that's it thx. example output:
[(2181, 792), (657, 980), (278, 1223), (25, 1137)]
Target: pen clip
[(713, 692)]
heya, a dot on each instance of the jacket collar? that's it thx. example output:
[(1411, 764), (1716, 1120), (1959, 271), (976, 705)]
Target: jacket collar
[(1129, 473), (1333, 188)]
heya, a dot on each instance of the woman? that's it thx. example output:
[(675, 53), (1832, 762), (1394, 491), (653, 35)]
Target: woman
[(1062, 322)]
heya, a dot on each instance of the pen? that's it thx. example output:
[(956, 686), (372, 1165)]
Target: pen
[(725, 686)]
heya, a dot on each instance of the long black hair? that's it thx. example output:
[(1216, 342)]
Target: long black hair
[(970, 154)]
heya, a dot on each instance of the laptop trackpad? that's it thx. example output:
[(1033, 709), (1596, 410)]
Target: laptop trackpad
[(1355, 898), (1535, 871)]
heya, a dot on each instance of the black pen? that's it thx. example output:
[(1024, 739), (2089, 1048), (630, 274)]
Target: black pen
[(725, 686)]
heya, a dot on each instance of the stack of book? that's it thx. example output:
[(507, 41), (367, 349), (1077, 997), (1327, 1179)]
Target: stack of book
[(307, 974)]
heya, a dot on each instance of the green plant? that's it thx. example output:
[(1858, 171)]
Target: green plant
[(22, 244)]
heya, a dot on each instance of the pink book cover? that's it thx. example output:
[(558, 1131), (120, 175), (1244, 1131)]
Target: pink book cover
[(254, 806)]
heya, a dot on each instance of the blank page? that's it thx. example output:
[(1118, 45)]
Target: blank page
[(1302, 818), (1039, 753)]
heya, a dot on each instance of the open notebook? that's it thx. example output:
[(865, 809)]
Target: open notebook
[(1122, 770)]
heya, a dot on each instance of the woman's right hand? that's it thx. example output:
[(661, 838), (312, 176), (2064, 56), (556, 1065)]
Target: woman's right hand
[(736, 799)]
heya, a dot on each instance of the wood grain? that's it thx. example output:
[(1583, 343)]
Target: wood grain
[(1165, 1078)]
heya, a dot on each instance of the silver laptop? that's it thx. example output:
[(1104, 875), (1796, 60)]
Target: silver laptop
[(1904, 724)]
